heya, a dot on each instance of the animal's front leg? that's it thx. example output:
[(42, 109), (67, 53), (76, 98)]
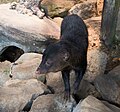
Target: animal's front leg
[(66, 76)]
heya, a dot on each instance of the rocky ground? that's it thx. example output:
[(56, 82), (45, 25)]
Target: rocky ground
[(21, 90)]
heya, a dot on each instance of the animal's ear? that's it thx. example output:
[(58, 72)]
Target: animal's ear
[(66, 56), (43, 50)]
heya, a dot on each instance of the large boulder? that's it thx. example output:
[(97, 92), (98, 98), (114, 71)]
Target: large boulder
[(108, 85), (15, 94), (58, 8), (91, 104), (28, 33), (85, 10), (43, 104), (52, 103), (111, 106), (86, 89), (97, 61), (25, 66)]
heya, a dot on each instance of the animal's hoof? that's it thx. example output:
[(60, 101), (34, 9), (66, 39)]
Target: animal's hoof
[(67, 96)]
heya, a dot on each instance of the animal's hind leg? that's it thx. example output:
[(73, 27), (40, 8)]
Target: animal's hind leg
[(79, 75)]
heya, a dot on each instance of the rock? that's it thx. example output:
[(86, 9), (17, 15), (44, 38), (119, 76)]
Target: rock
[(112, 107), (29, 7), (28, 33), (52, 103), (86, 89), (16, 93), (43, 104), (87, 8), (58, 8), (61, 106), (108, 85), (84, 10), (55, 80), (91, 104), (4, 72), (25, 66), (94, 24), (58, 20), (96, 64)]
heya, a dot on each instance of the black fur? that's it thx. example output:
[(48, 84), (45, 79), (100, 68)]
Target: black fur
[(70, 53)]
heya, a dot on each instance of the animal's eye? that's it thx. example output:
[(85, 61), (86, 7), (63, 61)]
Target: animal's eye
[(48, 63)]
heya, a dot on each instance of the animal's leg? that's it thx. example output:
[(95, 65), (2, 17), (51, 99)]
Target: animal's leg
[(66, 78)]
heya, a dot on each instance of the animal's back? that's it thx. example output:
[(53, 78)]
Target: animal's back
[(74, 30)]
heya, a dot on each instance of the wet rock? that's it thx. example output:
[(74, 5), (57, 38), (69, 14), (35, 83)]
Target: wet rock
[(91, 104), (96, 64), (25, 32), (4, 72), (108, 85), (16, 93)]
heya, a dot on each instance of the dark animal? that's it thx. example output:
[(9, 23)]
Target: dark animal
[(69, 53)]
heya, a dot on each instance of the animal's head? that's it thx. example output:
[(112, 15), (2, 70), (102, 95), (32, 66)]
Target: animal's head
[(55, 58)]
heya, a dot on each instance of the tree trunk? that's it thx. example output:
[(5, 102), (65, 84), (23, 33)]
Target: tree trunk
[(110, 29)]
